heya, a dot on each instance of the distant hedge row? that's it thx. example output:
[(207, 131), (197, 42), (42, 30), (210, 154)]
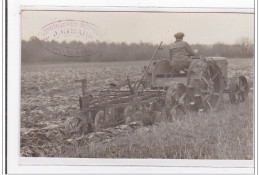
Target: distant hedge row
[(35, 50)]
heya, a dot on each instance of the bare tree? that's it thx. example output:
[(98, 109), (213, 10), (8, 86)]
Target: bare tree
[(245, 47)]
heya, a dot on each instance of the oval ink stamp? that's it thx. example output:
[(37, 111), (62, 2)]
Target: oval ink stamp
[(72, 38)]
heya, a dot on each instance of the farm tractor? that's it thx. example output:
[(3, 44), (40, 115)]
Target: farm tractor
[(200, 88)]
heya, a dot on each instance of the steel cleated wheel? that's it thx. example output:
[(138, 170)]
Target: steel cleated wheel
[(205, 85), (239, 89), (176, 100)]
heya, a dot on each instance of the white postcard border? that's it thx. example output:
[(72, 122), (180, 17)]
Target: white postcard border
[(17, 165)]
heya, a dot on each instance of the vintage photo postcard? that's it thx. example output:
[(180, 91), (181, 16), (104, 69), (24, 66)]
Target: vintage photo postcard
[(137, 85)]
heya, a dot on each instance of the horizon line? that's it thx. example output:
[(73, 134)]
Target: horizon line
[(140, 42)]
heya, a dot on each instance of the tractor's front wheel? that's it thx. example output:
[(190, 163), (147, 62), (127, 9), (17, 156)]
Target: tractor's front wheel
[(239, 89)]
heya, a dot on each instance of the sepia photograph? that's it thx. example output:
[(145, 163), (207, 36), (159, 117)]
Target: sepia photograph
[(137, 85)]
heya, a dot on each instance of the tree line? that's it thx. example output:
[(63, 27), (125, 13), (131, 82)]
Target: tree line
[(35, 51)]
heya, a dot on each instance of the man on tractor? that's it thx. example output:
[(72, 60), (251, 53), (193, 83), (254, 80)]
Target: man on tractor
[(180, 52)]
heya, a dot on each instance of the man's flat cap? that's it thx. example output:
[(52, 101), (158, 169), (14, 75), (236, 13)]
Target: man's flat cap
[(179, 35)]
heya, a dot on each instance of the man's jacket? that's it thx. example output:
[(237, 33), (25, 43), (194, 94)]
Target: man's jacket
[(180, 50)]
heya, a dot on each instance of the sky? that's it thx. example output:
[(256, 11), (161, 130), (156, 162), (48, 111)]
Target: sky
[(135, 27)]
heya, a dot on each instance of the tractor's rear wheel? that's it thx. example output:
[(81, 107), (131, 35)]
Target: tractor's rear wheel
[(205, 85), (239, 89)]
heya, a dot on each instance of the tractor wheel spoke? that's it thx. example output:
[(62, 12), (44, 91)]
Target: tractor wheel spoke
[(208, 73), (182, 97), (215, 76), (205, 80), (209, 104), (175, 101), (173, 94)]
